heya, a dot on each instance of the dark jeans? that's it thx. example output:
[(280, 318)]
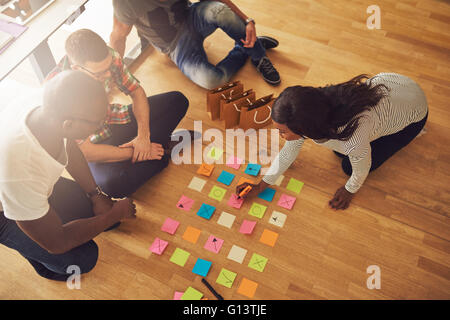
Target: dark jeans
[(71, 203), (121, 179), (385, 147)]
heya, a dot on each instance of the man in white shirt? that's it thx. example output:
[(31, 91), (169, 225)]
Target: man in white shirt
[(50, 220)]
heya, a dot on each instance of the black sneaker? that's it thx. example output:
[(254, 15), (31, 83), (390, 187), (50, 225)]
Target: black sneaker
[(268, 42), (268, 71)]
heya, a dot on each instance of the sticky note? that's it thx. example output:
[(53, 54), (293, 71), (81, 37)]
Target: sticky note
[(158, 246), (244, 180), (247, 226), (253, 169), (234, 162), (226, 178), (235, 202), (279, 180), (226, 219), (177, 295), (257, 210), (237, 254), (179, 257), (213, 244), (206, 211), (268, 237), (215, 153), (191, 234), (197, 184), (185, 203), (257, 262), (295, 185), (191, 294), (247, 288), (267, 194), (286, 201), (170, 226), (226, 278), (202, 267), (205, 169), (217, 193), (278, 219)]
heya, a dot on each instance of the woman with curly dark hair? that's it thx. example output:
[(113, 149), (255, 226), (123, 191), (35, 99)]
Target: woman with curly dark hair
[(364, 121)]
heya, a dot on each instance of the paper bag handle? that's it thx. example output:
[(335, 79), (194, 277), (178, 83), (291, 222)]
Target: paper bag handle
[(261, 122), (235, 106)]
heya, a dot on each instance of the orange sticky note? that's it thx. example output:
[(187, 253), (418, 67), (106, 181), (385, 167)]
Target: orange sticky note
[(247, 288), (243, 180), (268, 237), (206, 169), (191, 234)]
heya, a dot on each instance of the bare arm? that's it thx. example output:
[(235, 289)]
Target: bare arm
[(58, 238), (104, 153), (118, 37)]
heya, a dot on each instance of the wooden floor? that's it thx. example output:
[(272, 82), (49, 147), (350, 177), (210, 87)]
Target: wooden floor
[(398, 221)]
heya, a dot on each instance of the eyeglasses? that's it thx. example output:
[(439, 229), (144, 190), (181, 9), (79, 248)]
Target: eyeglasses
[(96, 74)]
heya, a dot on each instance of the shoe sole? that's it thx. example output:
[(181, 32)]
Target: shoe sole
[(271, 40)]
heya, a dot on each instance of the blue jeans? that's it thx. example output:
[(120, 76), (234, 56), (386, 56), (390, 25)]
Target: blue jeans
[(190, 56), (71, 203), (122, 179)]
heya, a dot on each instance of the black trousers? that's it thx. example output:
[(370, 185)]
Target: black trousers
[(121, 179), (385, 147)]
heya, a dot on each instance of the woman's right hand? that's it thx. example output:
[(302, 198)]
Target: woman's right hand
[(256, 189)]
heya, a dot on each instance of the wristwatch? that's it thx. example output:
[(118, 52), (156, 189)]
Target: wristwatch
[(96, 192), (249, 20)]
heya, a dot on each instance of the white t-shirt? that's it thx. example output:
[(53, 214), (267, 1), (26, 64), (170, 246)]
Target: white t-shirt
[(27, 172)]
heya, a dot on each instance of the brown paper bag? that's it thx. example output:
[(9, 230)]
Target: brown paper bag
[(214, 96), (230, 109), (258, 114)]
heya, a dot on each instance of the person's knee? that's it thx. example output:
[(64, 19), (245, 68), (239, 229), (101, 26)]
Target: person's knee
[(83, 259), (180, 101), (347, 166), (222, 14)]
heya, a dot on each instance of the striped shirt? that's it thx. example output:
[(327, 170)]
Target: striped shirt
[(120, 77), (404, 103)]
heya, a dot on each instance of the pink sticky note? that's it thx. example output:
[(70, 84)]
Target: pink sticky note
[(213, 244), (158, 246), (247, 227), (170, 226), (235, 202), (286, 201), (185, 203), (234, 162), (177, 295)]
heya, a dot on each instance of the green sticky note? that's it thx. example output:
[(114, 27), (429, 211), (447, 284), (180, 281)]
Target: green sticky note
[(191, 294), (217, 193), (295, 185), (257, 262), (179, 257), (257, 210), (215, 153), (226, 278)]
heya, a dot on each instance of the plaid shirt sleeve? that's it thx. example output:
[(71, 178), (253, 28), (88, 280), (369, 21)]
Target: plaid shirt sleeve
[(117, 114), (122, 77)]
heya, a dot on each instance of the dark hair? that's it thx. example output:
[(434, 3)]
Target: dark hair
[(73, 93), (319, 113), (85, 45)]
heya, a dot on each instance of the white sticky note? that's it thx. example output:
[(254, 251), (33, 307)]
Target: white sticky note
[(197, 184), (278, 219), (226, 219), (237, 254)]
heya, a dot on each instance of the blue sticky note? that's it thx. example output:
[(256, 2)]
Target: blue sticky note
[(206, 211), (267, 194), (253, 169), (202, 267), (226, 177)]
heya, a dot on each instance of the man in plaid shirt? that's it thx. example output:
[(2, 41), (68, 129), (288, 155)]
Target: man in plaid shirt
[(126, 151)]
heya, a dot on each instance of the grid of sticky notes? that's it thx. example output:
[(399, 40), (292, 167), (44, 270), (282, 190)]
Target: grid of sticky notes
[(216, 194)]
